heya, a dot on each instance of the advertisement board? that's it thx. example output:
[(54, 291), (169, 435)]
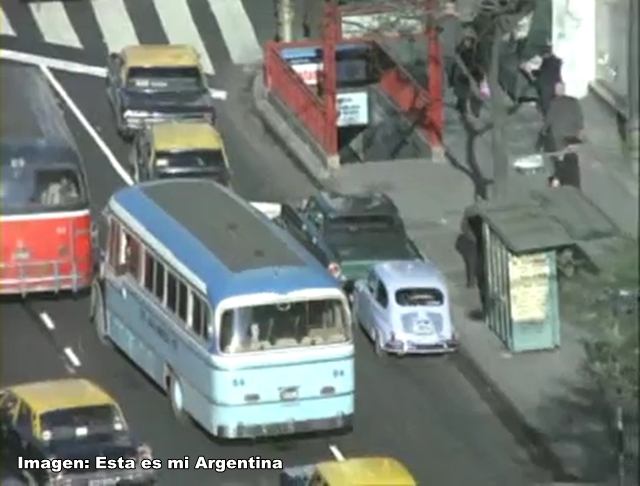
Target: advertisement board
[(353, 108)]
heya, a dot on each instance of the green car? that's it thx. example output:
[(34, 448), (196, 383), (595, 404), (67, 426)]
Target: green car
[(349, 233)]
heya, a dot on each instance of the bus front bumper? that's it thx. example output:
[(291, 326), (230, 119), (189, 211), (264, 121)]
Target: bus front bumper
[(341, 422)]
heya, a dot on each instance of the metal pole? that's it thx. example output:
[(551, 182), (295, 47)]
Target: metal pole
[(330, 37), (285, 20), (499, 188), (435, 117), (633, 123)]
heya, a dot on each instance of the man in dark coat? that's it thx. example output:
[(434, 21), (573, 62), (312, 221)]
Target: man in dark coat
[(450, 33), (564, 127), (546, 77)]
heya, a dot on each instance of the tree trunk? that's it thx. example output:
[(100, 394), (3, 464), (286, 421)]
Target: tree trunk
[(499, 188), (633, 122)]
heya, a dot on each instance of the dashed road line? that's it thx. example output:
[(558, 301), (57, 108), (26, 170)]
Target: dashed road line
[(72, 357), (336, 453), (47, 321)]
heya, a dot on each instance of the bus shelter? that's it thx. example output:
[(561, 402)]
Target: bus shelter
[(524, 241)]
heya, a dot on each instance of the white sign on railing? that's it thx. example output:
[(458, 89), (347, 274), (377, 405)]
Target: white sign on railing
[(353, 109)]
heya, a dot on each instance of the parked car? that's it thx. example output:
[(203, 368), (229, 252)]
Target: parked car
[(153, 83), (404, 308), (69, 419), (349, 233), (191, 149)]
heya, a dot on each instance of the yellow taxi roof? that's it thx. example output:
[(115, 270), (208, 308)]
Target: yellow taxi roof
[(160, 55), (46, 396), (193, 135), (369, 471)]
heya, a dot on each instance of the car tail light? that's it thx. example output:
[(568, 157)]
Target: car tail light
[(327, 390), (251, 397), (334, 270)]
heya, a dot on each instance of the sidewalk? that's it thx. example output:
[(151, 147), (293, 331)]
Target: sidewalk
[(544, 392)]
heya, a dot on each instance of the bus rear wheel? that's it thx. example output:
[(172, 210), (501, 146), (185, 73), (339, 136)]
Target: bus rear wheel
[(98, 315), (176, 396)]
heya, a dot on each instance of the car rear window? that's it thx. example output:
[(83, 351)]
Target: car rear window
[(362, 223), (41, 190), (191, 159), (81, 422), (419, 297), (164, 79)]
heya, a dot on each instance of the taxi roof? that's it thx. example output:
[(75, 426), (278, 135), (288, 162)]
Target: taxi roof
[(149, 55), (176, 136), (46, 396), (368, 471)]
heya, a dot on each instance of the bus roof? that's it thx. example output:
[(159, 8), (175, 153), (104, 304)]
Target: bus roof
[(366, 471), (219, 240), (30, 114)]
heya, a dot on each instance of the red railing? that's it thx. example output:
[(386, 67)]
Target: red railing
[(410, 97), (285, 83)]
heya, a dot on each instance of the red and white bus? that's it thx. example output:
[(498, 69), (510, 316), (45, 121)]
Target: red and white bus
[(46, 233)]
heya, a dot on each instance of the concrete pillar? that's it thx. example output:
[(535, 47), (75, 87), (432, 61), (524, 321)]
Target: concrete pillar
[(574, 41)]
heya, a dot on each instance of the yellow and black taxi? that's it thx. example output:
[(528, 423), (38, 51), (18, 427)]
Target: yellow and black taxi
[(363, 471), (192, 149), (152, 83), (66, 432)]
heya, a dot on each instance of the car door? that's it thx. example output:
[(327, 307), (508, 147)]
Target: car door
[(379, 309), (363, 300)]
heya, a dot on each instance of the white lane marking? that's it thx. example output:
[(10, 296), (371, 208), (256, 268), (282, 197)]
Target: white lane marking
[(336, 453), (180, 28), (72, 357), (69, 66), (47, 321), (237, 31), (5, 25), (116, 26), (87, 126), (54, 23)]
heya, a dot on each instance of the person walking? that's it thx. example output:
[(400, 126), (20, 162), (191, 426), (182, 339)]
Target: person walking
[(450, 33), (548, 75), (564, 128)]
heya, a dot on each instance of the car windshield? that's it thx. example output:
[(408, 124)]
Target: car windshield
[(278, 326), (420, 297), (27, 190), (81, 422), (165, 79), (370, 245), (191, 159), (357, 224)]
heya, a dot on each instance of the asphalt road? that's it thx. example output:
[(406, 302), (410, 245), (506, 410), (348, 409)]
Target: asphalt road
[(421, 411)]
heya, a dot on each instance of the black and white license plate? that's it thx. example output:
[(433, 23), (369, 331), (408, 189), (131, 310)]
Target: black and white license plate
[(103, 482)]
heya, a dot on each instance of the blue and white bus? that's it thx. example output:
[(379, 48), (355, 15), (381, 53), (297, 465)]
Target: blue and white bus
[(245, 331)]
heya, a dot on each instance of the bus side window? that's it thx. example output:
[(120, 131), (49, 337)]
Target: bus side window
[(149, 269), (132, 256), (196, 314), (182, 301), (114, 242), (172, 292), (158, 288)]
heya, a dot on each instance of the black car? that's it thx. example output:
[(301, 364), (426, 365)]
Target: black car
[(349, 233), (66, 432), (152, 83)]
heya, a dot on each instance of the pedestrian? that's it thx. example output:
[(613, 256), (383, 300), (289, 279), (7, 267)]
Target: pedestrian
[(563, 129), (450, 33), (553, 181), (548, 75), (471, 55)]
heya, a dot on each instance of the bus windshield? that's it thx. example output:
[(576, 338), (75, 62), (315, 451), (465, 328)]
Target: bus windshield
[(286, 325), (26, 190)]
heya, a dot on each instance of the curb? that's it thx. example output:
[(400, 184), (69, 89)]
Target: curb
[(287, 140), (528, 437)]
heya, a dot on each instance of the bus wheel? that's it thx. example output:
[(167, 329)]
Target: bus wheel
[(98, 315), (177, 398)]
